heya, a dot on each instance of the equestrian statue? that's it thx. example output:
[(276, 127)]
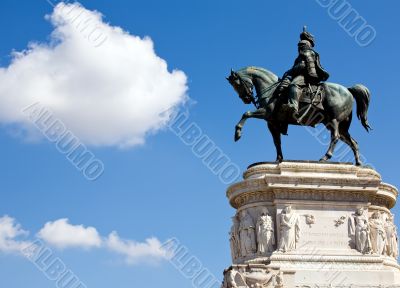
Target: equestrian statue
[(301, 97)]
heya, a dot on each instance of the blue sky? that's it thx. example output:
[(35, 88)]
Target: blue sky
[(160, 188)]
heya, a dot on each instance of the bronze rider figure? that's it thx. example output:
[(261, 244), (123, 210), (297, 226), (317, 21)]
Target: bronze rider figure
[(306, 70)]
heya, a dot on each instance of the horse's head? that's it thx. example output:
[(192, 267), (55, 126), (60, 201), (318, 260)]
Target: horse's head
[(242, 86)]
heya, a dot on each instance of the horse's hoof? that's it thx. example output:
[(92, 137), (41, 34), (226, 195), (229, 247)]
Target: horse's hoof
[(358, 163), (323, 159), (279, 160), (237, 136)]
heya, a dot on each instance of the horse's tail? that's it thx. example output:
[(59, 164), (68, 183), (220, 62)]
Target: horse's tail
[(362, 96)]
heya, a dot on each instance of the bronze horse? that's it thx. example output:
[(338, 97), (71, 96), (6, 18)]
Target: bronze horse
[(336, 112)]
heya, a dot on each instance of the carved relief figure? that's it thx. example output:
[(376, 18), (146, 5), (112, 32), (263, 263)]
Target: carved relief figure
[(290, 230), (392, 247), (359, 229), (229, 278), (246, 277), (265, 233), (234, 238), (278, 280), (377, 234), (247, 234)]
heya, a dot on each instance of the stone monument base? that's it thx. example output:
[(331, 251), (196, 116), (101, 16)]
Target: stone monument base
[(310, 224)]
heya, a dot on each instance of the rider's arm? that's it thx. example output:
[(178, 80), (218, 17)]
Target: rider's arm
[(310, 63), (287, 75)]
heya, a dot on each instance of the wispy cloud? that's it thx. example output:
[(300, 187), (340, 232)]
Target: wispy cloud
[(10, 234), (61, 234), (149, 251)]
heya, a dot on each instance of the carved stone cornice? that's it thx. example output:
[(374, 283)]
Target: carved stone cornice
[(311, 181)]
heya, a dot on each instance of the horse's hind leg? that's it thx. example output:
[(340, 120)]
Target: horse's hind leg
[(332, 126), (346, 138)]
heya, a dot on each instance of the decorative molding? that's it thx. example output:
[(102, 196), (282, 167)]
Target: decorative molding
[(340, 221), (310, 219)]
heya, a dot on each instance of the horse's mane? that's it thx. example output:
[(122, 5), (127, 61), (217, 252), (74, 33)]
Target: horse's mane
[(268, 76)]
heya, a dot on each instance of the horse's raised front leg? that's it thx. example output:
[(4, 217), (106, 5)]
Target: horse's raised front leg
[(332, 126), (259, 114), (276, 135)]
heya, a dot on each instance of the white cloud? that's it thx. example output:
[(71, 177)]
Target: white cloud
[(149, 251), (108, 87), (10, 231), (62, 234)]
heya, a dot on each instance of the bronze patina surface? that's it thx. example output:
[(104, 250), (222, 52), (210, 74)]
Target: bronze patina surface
[(301, 97)]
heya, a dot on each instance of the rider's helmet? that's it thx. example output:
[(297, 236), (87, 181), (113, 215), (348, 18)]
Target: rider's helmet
[(306, 38)]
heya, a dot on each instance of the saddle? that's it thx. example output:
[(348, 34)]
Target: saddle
[(310, 102), (313, 95)]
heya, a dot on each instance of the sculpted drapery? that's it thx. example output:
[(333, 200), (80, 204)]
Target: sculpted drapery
[(234, 238), (360, 231), (289, 230), (247, 234), (378, 234), (392, 248), (265, 233)]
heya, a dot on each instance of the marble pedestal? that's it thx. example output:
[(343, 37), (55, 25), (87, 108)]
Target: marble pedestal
[(309, 224)]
